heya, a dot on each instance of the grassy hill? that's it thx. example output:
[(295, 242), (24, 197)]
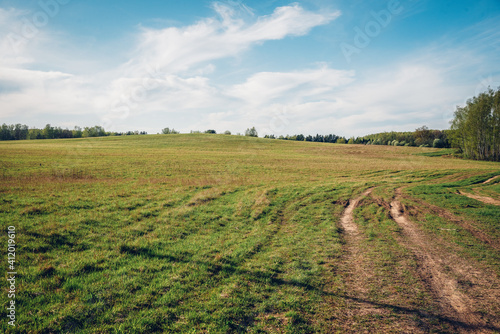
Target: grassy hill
[(216, 233)]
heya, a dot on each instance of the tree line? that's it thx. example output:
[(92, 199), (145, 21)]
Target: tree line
[(423, 137), (331, 138), (21, 132), (250, 132)]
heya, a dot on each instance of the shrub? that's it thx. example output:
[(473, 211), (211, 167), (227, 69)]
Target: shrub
[(251, 132), (438, 143), (168, 131)]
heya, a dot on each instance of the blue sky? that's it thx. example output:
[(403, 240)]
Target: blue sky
[(345, 67)]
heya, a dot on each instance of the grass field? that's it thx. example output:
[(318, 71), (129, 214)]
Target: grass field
[(223, 234)]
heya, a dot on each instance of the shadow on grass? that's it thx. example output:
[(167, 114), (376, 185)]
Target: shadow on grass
[(227, 268)]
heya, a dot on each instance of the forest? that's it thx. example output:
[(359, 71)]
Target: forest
[(422, 137)]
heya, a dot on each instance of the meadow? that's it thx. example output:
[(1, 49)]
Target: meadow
[(202, 233)]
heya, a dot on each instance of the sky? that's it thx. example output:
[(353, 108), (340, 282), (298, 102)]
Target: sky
[(347, 67)]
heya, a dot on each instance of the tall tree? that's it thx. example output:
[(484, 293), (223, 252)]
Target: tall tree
[(476, 126)]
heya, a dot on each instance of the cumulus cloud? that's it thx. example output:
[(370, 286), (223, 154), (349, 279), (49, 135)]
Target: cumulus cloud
[(179, 49)]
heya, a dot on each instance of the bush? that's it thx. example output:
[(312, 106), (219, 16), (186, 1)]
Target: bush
[(438, 143), (168, 131), (251, 132)]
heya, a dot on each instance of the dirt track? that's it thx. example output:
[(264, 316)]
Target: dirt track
[(484, 199), (441, 271), (468, 308), (356, 270), (347, 220), (491, 179)]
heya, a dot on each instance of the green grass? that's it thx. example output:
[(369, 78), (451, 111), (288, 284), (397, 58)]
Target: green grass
[(439, 153), (207, 233)]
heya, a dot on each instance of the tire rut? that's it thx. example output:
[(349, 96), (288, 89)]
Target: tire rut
[(355, 261), (484, 199), (491, 179), (358, 272), (433, 262), (347, 220), (465, 224)]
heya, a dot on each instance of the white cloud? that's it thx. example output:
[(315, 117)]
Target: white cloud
[(398, 97), (179, 49), (39, 92), (262, 88)]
